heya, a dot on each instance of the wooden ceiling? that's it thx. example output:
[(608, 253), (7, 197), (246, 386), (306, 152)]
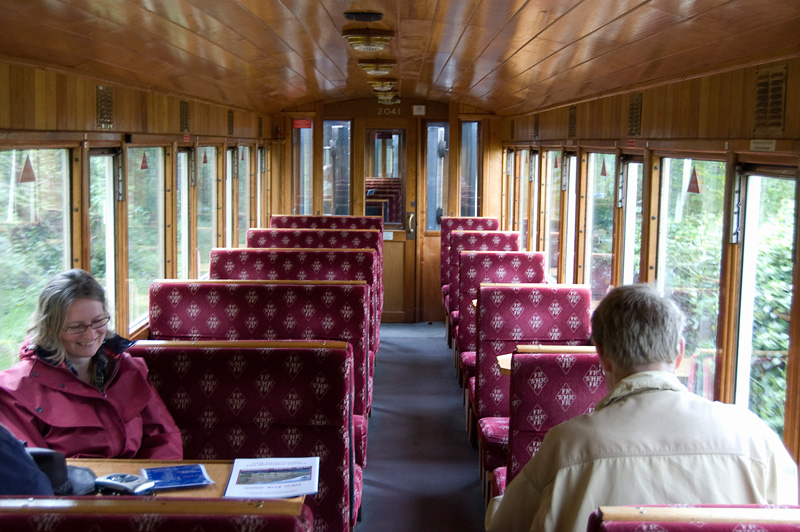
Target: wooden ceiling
[(508, 57)]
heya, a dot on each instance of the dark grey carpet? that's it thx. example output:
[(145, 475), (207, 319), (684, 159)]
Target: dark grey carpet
[(421, 474)]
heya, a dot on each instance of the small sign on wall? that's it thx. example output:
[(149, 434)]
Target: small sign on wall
[(301, 123), (388, 235), (419, 110)]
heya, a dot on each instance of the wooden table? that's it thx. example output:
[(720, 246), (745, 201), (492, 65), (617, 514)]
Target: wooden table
[(183, 501)]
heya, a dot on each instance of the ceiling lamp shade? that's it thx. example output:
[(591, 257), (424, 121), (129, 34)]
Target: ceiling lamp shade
[(382, 85), (368, 40), (377, 67), (388, 98)]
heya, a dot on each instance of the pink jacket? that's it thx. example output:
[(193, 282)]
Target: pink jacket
[(48, 406)]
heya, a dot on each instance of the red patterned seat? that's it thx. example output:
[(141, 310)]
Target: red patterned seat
[(298, 264), (27, 517), (508, 315), (476, 267), (248, 399), (691, 518), (472, 241), (457, 223), (545, 389), (270, 310), (325, 222)]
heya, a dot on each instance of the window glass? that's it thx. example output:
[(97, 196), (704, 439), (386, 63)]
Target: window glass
[(471, 175), (437, 176), (243, 174), (336, 167), (524, 185), (102, 221), (386, 178), (261, 199), (145, 199), (552, 214), (766, 297), (206, 207), (183, 212), (599, 223), (571, 189), (511, 180), (231, 185), (533, 208), (34, 229), (302, 166), (632, 203), (689, 258)]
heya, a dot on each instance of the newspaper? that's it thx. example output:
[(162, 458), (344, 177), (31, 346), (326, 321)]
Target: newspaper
[(273, 478)]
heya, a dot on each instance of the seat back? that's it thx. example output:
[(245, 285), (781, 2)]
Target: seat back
[(478, 267), (512, 314), (325, 222), (263, 399), (266, 310), (547, 389), (298, 264), (460, 223), (705, 517), (317, 238)]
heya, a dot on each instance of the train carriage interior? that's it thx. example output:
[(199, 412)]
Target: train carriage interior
[(356, 175)]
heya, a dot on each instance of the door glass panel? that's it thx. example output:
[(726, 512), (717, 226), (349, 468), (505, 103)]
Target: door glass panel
[(632, 204), (552, 213), (243, 174), (145, 198), (766, 297), (599, 223), (471, 176), (102, 221), (182, 210), (302, 166), (689, 259), (438, 143), (385, 180), (336, 167), (34, 233), (206, 207)]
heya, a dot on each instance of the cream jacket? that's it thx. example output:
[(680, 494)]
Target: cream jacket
[(649, 441)]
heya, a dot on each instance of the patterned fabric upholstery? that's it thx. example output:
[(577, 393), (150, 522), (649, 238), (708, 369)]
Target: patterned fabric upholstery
[(513, 314), (705, 517), (478, 267), (251, 402), (326, 222), (460, 223), (31, 520), (304, 265), (547, 389)]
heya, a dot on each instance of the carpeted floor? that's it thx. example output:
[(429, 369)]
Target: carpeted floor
[(421, 473)]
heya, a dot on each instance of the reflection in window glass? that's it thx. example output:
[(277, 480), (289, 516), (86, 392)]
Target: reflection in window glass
[(766, 298), (336, 167), (102, 221), (206, 207), (437, 175), (632, 212), (302, 167), (599, 223), (243, 173), (470, 169), (183, 210), (553, 214), (689, 257), (386, 182), (34, 232), (145, 200)]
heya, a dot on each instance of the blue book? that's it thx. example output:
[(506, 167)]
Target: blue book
[(179, 476)]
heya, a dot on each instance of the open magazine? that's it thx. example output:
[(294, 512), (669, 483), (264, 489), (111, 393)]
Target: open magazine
[(273, 478)]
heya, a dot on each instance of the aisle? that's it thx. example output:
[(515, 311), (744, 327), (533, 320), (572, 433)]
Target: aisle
[(421, 474)]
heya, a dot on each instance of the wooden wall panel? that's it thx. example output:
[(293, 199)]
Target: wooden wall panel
[(46, 100)]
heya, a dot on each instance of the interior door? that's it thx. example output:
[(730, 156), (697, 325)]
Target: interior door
[(390, 192)]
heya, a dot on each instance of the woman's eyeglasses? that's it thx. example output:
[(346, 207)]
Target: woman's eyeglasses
[(80, 329)]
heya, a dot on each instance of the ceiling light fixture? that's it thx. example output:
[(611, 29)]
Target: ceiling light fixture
[(368, 40), (388, 98), (363, 16), (382, 85), (377, 67)]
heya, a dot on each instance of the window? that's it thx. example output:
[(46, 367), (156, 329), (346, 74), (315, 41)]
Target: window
[(34, 229), (599, 223), (336, 167), (689, 259), (570, 187), (766, 296), (524, 187), (438, 157), (471, 174), (104, 169), (145, 198), (302, 166), (244, 219), (183, 211), (510, 185), (631, 201), (386, 175), (207, 202), (552, 214)]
